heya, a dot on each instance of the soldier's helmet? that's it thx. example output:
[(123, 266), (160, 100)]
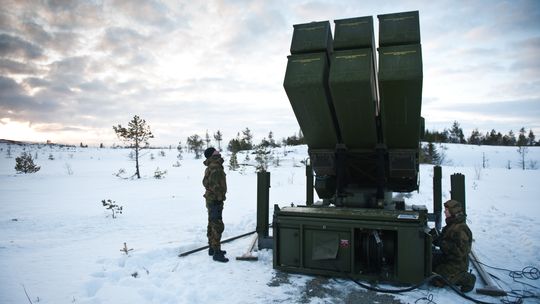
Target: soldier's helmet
[(454, 207)]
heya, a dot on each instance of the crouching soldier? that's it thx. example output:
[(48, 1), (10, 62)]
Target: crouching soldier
[(216, 186), (452, 260)]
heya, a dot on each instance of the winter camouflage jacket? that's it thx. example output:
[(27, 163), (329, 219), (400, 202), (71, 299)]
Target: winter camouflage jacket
[(214, 180), (455, 243)]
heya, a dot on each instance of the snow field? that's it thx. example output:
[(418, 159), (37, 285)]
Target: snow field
[(58, 240)]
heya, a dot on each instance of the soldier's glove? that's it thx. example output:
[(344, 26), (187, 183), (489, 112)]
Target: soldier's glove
[(434, 236)]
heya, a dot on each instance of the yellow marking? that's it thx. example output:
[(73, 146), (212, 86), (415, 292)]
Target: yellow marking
[(399, 18), (399, 53), (306, 60), (353, 23), (311, 28), (350, 56)]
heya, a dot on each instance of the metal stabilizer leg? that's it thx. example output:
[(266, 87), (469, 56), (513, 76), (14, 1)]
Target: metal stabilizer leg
[(490, 289)]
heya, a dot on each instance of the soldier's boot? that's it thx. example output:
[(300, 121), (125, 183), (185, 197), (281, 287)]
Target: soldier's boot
[(211, 251), (220, 257), (466, 281), (437, 282)]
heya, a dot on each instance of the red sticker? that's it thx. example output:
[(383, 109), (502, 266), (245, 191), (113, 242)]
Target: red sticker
[(344, 243)]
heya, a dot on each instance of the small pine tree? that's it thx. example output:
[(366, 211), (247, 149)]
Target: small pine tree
[(247, 139), (233, 162), (475, 138), (531, 138), (218, 137), (522, 153), (430, 155), (195, 144), (262, 158), (522, 139), (180, 150), (207, 139), (456, 134), (25, 164), (137, 135), (113, 206), (276, 161)]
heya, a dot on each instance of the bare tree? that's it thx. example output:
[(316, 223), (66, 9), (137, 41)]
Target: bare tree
[(522, 153), (136, 135)]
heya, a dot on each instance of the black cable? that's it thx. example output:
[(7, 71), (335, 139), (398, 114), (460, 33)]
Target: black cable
[(429, 299), (393, 291), (426, 280), (528, 272)]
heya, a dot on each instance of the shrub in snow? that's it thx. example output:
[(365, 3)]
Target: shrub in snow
[(120, 173), (177, 164), (68, 169), (180, 150), (25, 164), (51, 157), (111, 205), (159, 174), (8, 155)]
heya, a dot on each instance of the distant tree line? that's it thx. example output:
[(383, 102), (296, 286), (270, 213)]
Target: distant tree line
[(455, 135), (242, 142)]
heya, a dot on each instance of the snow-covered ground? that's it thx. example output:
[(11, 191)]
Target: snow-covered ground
[(58, 244)]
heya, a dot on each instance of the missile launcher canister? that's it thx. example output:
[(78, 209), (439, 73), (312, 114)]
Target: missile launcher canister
[(359, 108)]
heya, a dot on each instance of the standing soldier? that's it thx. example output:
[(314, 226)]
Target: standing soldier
[(452, 261), (216, 186)]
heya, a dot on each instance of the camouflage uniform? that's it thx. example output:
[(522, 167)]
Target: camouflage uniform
[(215, 183), (452, 262)]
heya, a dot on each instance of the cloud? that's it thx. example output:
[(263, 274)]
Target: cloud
[(10, 67), (14, 102), (17, 48), (527, 63), (148, 12), (121, 40), (182, 64)]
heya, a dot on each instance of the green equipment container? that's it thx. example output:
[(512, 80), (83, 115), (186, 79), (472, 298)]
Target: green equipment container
[(354, 33), (353, 82), (306, 85), (312, 37), (370, 244), (352, 86), (400, 86), (399, 29)]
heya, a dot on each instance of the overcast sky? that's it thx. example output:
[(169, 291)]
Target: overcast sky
[(70, 70)]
